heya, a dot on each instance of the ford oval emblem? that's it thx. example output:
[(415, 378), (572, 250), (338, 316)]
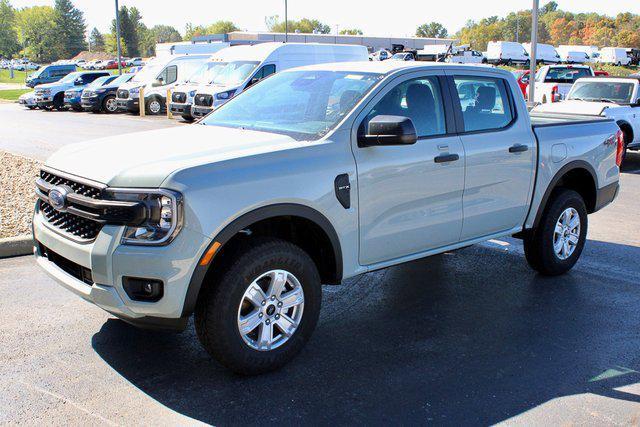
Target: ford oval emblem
[(58, 198)]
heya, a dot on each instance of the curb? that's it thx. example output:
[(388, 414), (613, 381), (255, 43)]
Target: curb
[(16, 246)]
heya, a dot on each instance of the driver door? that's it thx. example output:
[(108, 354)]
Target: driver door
[(410, 197)]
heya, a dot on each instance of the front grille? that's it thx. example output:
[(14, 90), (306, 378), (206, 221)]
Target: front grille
[(82, 189), (71, 268), (123, 94), (204, 100), (79, 228), (179, 97)]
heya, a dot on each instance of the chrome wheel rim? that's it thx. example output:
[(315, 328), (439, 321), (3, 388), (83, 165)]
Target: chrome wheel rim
[(270, 310), (566, 234), (154, 107), (111, 105)]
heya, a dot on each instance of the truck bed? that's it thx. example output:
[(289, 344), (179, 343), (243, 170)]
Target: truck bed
[(563, 119)]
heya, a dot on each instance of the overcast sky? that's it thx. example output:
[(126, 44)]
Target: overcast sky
[(396, 18)]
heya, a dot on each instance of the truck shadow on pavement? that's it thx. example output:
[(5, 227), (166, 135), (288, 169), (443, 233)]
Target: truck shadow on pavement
[(471, 337)]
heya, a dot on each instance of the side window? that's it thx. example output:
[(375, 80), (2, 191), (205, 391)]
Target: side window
[(88, 78), (263, 72), (484, 102), (418, 99), (172, 74)]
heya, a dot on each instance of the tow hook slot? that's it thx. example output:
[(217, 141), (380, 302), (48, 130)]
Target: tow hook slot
[(343, 190)]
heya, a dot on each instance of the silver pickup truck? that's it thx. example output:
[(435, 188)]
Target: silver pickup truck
[(312, 176)]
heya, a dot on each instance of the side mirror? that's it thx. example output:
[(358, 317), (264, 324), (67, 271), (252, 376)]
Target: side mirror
[(389, 130), (158, 82), (78, 82)]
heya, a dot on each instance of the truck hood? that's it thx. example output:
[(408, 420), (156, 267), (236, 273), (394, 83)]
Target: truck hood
[(146, 159), (576, 107), (54, 85)]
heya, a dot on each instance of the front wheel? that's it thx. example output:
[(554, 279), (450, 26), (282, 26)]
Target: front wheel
[(109, 105), (153, 106), (553, 248), (259, 312)]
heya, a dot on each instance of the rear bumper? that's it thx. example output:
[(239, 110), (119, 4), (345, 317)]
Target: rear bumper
[(130, 105), (606, 195), (634, 146)]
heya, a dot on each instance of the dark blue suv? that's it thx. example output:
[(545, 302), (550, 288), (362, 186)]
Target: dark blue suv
[(100, 96)]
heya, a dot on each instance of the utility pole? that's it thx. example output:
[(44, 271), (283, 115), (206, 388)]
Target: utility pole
[(118, 38), (286, 22), (517, 27), (534, 52)]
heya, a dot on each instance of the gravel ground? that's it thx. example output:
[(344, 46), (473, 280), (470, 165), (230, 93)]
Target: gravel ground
[(17, 177)]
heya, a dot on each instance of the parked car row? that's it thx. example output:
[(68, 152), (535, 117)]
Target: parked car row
[(509, 53), (18, 64)]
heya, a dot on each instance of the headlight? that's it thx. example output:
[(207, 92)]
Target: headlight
[(46, 91), (134, 91), (225, 95), (163, 216)]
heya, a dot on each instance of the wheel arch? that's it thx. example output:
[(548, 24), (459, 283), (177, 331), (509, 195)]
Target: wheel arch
[(331, 267), (578, 176), (627, 130)]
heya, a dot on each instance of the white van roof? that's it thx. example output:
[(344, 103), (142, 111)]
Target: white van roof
[(260, 52)]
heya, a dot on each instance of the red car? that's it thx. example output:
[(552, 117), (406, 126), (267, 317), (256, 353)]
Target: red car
[(601, 73), (523, 80)]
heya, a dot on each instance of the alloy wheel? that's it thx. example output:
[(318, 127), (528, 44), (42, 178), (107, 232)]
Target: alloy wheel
[(566, 234)]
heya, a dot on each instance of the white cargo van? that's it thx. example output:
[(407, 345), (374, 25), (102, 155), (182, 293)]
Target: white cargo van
[(591, 51), (246, 65), (507, 53), (545, 54), (183, 93), (189, 48), (159, 75), (574, 57), (614, 55)]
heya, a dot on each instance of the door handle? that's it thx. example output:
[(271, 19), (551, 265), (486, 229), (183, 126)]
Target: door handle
[(518, 148), (446, 158)]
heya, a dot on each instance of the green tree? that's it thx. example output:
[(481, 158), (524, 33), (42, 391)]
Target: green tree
[(130, 21), (37, 33), (351, 32), (70, 29), (305, 26), (432, 29), (8, 35), (96, 40), (148, 38), (221, 27)]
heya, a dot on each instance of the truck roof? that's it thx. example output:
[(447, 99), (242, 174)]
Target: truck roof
[(389, 66)]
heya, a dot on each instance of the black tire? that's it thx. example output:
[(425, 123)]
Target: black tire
[(58, 102), (188, 119), (30, 107), (216, 314), (108, 106), (538, 243), (149, 106)]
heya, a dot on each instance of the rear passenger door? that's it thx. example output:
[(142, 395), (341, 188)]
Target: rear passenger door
[(410, 197), (500, 154)]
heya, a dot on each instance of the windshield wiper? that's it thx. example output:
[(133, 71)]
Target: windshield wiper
[(606, 100)]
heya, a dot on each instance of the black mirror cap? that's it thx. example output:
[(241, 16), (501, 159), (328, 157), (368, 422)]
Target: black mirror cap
[(389, 130)]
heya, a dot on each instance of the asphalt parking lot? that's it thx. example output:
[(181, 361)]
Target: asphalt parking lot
[(470, 337), (38, 134)]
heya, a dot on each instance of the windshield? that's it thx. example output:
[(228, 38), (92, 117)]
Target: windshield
[(565, 75), (70, 78), (206, 73), (148, 73), (304, 105), (604, 91), (121, 79), (234, 73), (38, 72), (99, 82)]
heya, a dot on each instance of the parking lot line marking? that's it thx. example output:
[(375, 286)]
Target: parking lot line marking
[(68, 401)]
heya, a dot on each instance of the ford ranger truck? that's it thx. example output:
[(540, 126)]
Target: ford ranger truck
[(617, 98), (315, 175)]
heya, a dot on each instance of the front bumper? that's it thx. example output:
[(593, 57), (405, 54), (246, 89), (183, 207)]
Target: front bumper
[(44, 100), (130, 105), (181, 109), (91, 104), (72, 102), (200, 111), (108, 262), (29, 102)]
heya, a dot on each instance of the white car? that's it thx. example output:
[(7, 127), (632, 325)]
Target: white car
[(467, 57), (28, 100), (380, 55), (553, 82), (403, 56), (614, 97)]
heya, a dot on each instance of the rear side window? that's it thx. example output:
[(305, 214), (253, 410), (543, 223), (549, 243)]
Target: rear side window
[(484, 102), (418, 99)]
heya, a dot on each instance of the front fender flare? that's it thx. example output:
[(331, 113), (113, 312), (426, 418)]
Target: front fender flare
[(244, 221)]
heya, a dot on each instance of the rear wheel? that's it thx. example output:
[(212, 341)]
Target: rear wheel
[(187, 118), (259, 312), (553, 248), (109, 104)]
